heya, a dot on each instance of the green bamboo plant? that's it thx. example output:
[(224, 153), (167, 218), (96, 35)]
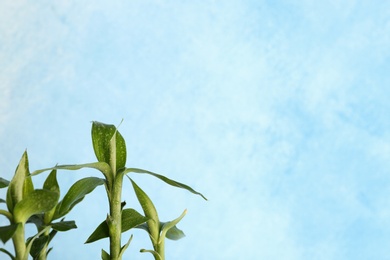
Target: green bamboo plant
[(110, 150), (41, 207)]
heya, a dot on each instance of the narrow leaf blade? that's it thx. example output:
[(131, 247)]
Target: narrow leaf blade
[(149, 210), (100, 166), (123, 249), (166, 180)]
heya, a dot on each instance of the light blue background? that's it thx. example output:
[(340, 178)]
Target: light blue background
[(278, 111)]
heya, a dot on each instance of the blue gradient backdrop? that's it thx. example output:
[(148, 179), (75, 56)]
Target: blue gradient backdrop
[(278, 111)]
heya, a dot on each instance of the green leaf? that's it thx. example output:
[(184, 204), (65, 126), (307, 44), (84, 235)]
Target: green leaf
[(173, 233), (101, 166), (149, 210), (51, 182), (28, 186), (37, 201), (130, 219), (2, 201), (7, 253), (105, 150), (125, 247), (176, 233), (30, 241), (105, 255), (3, 183), (165, 179), (52, 185), (6, 232), (51, 236), (15, 189), (64, 225), (37, 219), (154, 253), (76, 194), (100, 232), (37, 246)]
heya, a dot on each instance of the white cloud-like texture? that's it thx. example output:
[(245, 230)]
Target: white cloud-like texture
[(277, 112)]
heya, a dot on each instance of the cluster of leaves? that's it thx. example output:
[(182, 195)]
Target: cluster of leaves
[(110, 150), (41, 207)]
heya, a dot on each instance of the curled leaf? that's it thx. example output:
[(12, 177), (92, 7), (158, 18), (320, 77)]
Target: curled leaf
[(176, 233), (154, 253)]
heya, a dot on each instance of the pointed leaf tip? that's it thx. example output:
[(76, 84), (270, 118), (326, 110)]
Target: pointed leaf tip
[(106, 149)]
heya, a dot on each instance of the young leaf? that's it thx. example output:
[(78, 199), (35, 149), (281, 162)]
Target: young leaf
[(2, 201), (105, 255), (149, 210), (37, 201), (76, 194), (165, 179), (51, 182), (173, 233), (3, 183), (15, 189), (176, 233), (125, 247), (52, 185), (154, 253), (7, 232), (130, 219), (106, 151)]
